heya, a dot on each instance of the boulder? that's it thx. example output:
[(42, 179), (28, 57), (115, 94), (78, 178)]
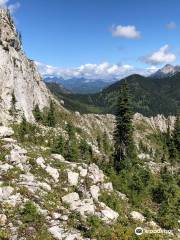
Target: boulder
[(44, 186), (107, 214), (28, 180), (9, 140), (73, 178), (82, 171), (13, 200), (5, 167), (73, 235), (122, 196), (84, 207), (3, 219), (94, 190), (5, 192), (108, 186), (53, 172), (144, 156), (71, 197), (18, 157), (58, 157), (153, 224), (5, 132), (137, 216), (41, 162), (95, 174), (56, 215), (56, 232)]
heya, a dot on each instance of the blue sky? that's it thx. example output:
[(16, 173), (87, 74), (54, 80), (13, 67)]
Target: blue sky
[(67, 34)]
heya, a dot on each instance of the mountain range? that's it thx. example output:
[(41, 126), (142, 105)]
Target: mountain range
[(80, 85), (158, 93), (167, 71), (90, 86)]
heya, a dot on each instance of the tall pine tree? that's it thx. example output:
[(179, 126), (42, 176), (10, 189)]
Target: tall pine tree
[(176, 134), (59, 146), (51, 115), (172, 152), (123, 133), (72, 144), (37, 113)]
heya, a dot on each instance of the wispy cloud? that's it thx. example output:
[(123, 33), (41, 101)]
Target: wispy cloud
[(129, 31), (171, 25), (163, 55), (6, 4)]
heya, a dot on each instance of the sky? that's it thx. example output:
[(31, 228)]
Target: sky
[(98, 38)]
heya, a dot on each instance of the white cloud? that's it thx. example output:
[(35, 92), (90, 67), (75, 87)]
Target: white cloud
[(151, 69), (163, 55), (103, 71), (171, 25), (11, 7), (129, 31)]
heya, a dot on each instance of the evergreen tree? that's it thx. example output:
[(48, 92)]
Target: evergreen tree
[(105, 142), (72, 145), (13, 111), (85, 151), (59, 146), (176, 134), (73, 152), (99, 142), (70, 130), (51, 115), (13, 101), (23, 128), (172, 152), (123, 133), (37, 113)]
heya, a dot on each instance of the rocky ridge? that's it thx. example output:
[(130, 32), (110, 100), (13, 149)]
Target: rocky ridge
[(21, 84), (56, 173)]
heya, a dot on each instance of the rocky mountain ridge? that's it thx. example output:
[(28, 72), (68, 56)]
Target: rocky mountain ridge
[(21, 85), (167, 71)]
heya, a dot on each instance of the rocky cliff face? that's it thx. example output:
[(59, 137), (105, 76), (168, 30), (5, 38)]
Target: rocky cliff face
[(21, 86)]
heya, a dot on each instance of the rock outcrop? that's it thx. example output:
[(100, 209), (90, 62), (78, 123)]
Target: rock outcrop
[(21, 86), (74, 187)]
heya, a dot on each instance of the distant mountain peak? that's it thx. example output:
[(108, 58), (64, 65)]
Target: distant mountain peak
[(167, 71)]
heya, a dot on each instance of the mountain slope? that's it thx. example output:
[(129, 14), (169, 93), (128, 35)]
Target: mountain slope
[(47, 196), (150, 96), (21, 86)]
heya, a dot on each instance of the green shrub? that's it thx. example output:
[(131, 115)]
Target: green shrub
[(4, 234), (29, 213)]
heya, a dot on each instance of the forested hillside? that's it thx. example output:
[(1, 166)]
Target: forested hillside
[(150, 96)]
